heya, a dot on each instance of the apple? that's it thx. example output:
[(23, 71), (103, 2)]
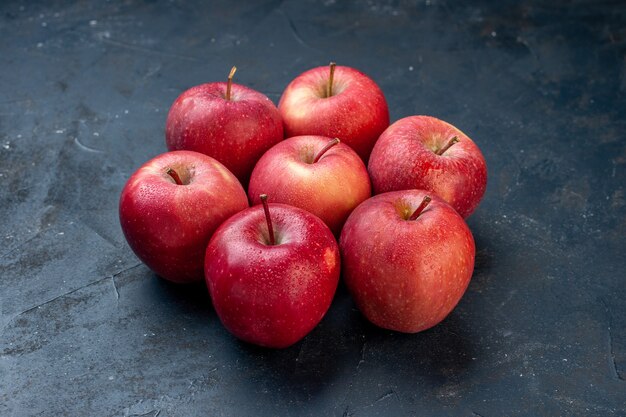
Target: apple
[(423, 152), (229, 122), (315, 173), (335, 102), (170, 208), (407, 259), (272, 272)]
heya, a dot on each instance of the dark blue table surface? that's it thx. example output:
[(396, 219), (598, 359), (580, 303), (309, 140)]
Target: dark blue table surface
[(87, 330)]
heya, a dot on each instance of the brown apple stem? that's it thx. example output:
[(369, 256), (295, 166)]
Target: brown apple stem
[(325, 148), (329, 90), (421, 208), (451, 142), (230, 81), (266, 209), (174, 175)]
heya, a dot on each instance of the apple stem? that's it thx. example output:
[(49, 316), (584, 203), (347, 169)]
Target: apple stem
[(325, 148), (266, 209), (420, 208), (230, 81), (451, 142), (329, 90), (175, 176)]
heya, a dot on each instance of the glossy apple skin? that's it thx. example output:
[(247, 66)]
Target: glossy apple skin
[(404, 158), (268, 295), (167, 225), (329, 188), (406, 275), (236, 132), (356, 113)]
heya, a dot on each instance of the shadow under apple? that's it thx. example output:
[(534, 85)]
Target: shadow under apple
[(342, 356), (191, 299), (310, 366)]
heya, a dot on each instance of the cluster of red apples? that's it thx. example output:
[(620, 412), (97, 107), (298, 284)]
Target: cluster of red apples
[(272, 257)]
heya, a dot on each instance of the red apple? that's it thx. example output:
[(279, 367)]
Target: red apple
[(171, 206), (229, 122), (272, 273), (423, 152), (335, 102), (298, 168), (407, 259)]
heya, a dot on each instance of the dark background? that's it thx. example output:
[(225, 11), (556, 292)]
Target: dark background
[(86, 330)]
